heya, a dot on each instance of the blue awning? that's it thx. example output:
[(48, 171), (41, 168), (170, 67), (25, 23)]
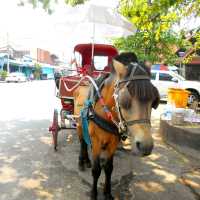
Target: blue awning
[(2, 62)]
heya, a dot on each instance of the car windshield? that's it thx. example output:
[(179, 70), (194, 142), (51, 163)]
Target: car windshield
[(173, 74), (179, 77)]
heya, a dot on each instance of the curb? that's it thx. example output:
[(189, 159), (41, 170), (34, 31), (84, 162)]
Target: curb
[(185, 140)]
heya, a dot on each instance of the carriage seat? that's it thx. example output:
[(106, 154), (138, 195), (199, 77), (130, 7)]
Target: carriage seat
[(107, 69)]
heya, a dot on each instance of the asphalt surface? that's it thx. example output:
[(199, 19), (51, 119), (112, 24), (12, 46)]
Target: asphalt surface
[(31, 170)]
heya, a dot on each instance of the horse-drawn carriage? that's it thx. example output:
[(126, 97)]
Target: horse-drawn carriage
[(106, 111), (90, 60)]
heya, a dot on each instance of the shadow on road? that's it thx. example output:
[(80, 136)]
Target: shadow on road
[(30, 169)]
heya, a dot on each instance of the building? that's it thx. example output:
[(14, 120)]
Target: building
[(19, 54), (191, 69), (41, 55), (25, 60)]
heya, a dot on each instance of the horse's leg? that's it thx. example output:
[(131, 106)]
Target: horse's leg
[(87, 161), (80, 94), (108, 168), (83, 156), (96, 172)]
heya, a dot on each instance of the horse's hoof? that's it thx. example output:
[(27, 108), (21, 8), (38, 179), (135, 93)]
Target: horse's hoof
[(88, 164), (108, 197), (81, 166)]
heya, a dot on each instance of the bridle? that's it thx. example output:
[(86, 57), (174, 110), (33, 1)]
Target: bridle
[(123, 125)]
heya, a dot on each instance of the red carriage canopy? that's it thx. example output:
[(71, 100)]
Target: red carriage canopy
[(99, 50)]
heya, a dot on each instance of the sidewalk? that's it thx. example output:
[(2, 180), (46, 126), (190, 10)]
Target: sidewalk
[(165, 175), (30, 169)]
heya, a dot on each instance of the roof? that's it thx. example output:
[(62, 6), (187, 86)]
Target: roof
[(99, 49)]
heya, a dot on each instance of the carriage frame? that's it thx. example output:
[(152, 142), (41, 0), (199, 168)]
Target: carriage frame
[(84, 66)]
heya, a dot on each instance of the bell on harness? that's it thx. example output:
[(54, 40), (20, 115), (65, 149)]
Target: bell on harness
[(123, 131), (123, 134)]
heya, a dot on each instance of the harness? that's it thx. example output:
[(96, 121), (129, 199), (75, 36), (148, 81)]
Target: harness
[(88, 112), (123, 124), (118, 128)]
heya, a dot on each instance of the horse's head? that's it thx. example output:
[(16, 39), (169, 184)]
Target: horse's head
[(135, 96)]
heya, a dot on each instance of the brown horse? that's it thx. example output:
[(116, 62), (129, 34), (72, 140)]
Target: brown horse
[(130, 96)]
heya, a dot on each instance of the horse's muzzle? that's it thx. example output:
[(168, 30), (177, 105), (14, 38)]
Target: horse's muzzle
[(145, 150), (140, 149)]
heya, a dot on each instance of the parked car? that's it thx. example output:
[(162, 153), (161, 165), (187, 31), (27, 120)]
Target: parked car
[(16, 77), (167, 79)]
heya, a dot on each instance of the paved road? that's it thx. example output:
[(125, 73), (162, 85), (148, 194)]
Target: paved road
[(27, 101), (31, 170)]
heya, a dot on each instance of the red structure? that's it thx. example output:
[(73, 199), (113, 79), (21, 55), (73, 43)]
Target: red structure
[(85, 66)]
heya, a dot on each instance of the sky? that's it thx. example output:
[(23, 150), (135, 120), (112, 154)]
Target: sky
[(25, 27)]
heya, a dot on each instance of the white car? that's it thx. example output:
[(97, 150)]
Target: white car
[(167, 79), (16, 77)]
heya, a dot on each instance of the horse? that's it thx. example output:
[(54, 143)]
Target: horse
[(129, 96)]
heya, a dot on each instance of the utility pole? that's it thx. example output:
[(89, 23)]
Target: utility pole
[(8, 53)]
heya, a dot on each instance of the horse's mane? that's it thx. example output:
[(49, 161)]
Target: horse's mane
[(143, 90)]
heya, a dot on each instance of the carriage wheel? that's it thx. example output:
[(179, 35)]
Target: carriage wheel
[(55, 128)]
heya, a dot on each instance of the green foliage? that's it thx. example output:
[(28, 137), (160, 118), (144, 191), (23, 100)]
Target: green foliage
[(149, 49), (3, 74), (154, 38), (153, 19), (190, 7), (37, 71), (46, 4), (75, 2), (49, 4), (197, 44)]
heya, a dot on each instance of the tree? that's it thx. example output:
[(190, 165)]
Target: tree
[(3, 74), (75, 2), (37, 71), (153, 19), (154, 39), (49, 4)]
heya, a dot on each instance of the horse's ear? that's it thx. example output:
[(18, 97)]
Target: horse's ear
[(156, 101), (120, 69)]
